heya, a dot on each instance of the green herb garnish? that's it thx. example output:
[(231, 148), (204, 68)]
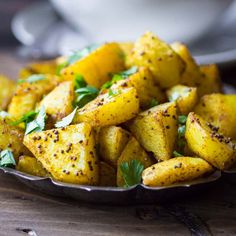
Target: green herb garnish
[(81, 54), (79, 82), (153, 102), (177, 154), (132, 172), (26, 118), (60, 67), (182, 119), (181, 131), (113, 93), (38, 124), (7, 159), (33, 78), (66, 120)]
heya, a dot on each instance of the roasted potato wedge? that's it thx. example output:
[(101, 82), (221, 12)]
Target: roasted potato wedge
[(219, 110), (7, 88), (192, 76), (145, 85), (11, 138), (112, 141), (58, 103), (98, 67), (167, 67), (118, 107), (31, 165), (175, 170), (205, 142), (68, 154), (211, 82), (186, 97), (28, 94), (156, 130), (107, 175), (127, 48), (132, 151)]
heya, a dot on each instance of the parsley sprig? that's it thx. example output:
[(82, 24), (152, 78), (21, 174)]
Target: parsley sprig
[(132, 172), (7, 159)]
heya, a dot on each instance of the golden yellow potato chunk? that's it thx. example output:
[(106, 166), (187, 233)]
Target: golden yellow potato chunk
[(68, 154), (175, 170)]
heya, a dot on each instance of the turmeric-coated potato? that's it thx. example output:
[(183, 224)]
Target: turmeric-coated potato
[(175, 170), (156, 130), (111, 108), (58, 103), (165, 64), (112, 141), (132, 151), (185, 97), (7, 88), (205, 141), (127, 48), (107, 175), (68, 154), (219, 110), (98, 67), (29, 93), (31, 165)]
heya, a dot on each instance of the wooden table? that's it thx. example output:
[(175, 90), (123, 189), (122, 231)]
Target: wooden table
[(27, 212)]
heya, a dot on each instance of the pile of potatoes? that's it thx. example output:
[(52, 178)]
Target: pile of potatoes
[(164, 111)]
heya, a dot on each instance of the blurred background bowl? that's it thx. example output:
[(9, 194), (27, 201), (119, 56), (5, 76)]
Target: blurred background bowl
[(106, 20)]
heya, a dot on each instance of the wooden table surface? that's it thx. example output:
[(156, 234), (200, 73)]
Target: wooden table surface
[(27, 212)]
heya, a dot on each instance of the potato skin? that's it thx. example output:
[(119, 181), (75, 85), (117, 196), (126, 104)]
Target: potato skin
[(11, 138), (68, 154), (31, 165), (219, 109), (112, 141), (156, 130), (7, 88), (98, 66), (146, 87), (208, 144), (58, 103), (149, 51), (107, 175), (28, 94), (175, 170), (185, 97), (108, 110), (132, 151)]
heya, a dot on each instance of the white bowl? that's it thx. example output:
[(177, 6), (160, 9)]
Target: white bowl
[(107, 20)]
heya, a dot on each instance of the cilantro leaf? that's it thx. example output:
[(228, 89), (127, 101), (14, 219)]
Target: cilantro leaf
[(26, 118), (125, 74), (153, 102), (132, 172), (38, 124), (66, 120), (182, 119), (79, 81), (177, 154), (7, 159), (80, 54), (113, 93), (33, 78), (60, 67), (181, 131)]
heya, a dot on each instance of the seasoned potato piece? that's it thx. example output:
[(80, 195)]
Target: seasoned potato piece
[(68, 154), (11, 138), (127, 48), (205, 142), (58, 103), (31, 165), (145, 85), (192, 76), (185, 97), (98, 66), (112, 141), (107, 175), (219, 110), (43, 67), (211, 82), (156, 130), (28, 94), (7, 88), (175, 170), (149, 51), (118, 107), (132, 151)]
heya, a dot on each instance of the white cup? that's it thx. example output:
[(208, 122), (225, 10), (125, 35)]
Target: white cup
[(124, 20)]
